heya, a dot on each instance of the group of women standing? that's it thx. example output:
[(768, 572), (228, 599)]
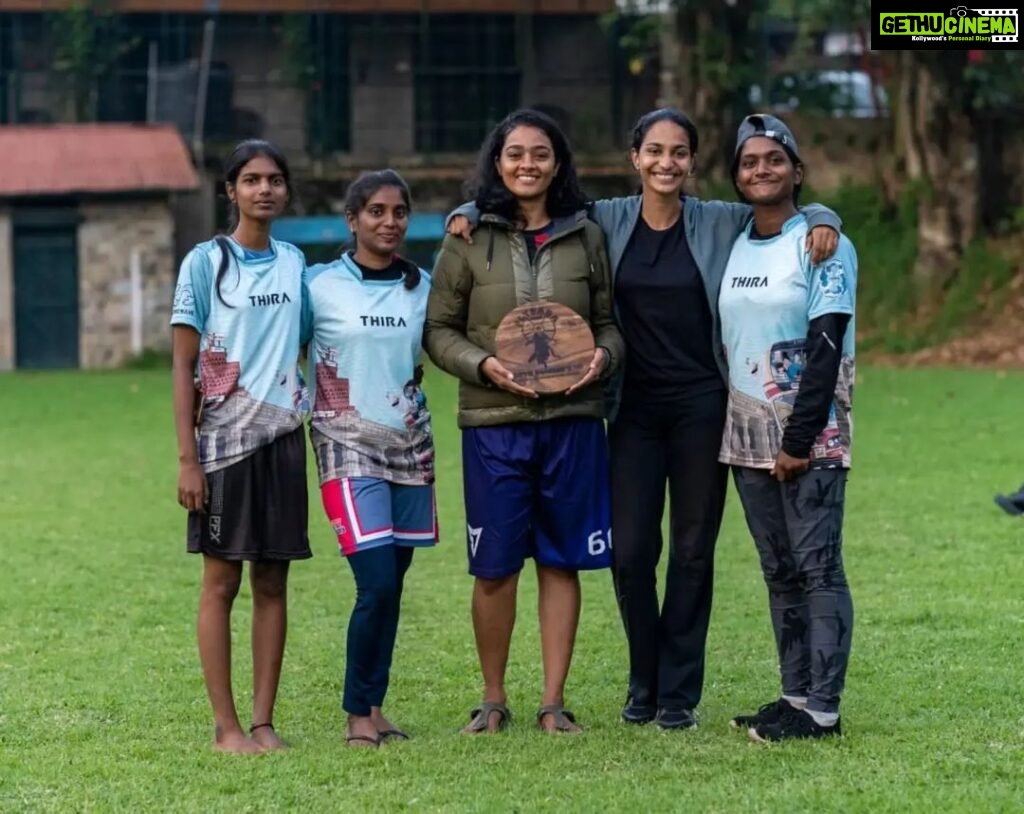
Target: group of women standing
[(239, 331), (722, 335)]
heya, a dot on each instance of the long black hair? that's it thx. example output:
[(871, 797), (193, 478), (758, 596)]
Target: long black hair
[(358, 195), (244, 152), (664, 114), (564, 196)]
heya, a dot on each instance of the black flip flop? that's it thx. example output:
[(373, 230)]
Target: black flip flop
[(397, 734), (351, 740)]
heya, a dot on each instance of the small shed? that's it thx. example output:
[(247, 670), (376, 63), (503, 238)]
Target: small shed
[(87, 259)]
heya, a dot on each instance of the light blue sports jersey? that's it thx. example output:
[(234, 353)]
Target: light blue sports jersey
[(370, 417), (769, 295), (248, 370)]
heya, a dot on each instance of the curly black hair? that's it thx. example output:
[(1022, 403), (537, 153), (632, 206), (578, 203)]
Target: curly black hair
[(488, 191)]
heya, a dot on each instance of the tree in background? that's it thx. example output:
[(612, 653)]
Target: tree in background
[(952, 108), (85, 46), (710, 59), (952, 111)]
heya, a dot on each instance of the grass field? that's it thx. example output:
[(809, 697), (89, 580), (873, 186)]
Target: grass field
[(102, 706)]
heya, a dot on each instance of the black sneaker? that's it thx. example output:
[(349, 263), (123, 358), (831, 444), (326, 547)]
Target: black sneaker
[(636, 713), (767, 714), (1011, 504), (797, 724), (676, 718)]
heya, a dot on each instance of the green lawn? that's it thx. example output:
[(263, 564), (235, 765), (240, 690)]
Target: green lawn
[(102, 706)]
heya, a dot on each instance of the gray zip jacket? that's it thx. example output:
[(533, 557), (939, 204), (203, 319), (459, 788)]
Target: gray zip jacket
[(711, 229)]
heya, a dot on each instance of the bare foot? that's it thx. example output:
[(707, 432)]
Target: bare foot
[(267, 737), (236, 742), (361, 732)]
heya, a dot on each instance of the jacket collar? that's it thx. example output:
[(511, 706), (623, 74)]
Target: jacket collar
[(559, 226)]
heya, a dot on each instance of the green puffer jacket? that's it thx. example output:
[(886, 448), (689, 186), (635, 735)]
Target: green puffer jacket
[(475, 285)]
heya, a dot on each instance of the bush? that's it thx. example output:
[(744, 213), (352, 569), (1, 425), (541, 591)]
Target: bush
[(892, 315), (149, 360)]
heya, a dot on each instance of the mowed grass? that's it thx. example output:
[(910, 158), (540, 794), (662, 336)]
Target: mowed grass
[(102, 705)]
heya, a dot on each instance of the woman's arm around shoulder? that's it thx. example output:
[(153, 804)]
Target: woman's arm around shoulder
[(611, 214)]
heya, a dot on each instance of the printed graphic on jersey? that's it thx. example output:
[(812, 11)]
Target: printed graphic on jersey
[(370, 416), (832, 278), (770, 294), (247, 372)]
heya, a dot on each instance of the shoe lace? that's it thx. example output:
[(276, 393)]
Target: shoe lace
[(782, 706)]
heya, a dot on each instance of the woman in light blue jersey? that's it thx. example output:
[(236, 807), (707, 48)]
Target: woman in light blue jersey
[(236, 328), (788, 331), (371, 432)]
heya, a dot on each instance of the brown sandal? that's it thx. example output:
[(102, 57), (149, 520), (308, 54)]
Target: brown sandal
[(480, 718), (564, 720)]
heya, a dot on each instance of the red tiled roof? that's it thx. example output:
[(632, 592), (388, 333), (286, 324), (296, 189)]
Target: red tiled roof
[(61, 159)]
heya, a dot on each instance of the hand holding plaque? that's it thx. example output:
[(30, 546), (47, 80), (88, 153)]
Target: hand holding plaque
[(547, 346)]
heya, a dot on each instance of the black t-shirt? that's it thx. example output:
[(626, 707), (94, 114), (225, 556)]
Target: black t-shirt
[(392, 272), (665, 317)]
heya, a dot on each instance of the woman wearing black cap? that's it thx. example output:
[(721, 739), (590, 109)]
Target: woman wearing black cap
[(787, 327)]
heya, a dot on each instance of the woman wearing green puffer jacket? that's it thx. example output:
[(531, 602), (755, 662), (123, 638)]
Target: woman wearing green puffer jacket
[(535, 468)]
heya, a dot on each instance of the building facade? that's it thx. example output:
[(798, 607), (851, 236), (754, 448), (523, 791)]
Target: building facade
[(87, 252), (334, 82)]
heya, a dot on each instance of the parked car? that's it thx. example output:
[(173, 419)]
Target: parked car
[(834, 93)]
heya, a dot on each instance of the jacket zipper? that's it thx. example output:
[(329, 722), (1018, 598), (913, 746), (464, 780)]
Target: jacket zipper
[(535, 272)]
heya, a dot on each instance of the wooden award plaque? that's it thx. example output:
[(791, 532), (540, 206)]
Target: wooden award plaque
[(546, 345)]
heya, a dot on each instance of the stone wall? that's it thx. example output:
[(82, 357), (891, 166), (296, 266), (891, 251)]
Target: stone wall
[(6, 291), (107, 236), (839, 152)]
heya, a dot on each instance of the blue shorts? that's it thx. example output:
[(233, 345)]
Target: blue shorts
[(368, 512), (536, 490)]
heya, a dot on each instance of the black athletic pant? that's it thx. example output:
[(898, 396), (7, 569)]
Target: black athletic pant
[(373, 626), (652, 444)]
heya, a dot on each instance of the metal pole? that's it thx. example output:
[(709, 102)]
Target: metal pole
[(14, 85), (135, 287), (152, 84), (12, 96), (201, 91), (424, 114)]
